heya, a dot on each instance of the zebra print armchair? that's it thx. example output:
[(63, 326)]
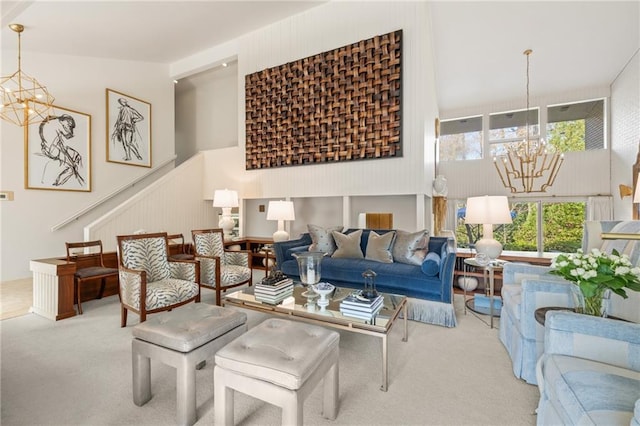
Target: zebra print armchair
[(149, 281), (220, 269)]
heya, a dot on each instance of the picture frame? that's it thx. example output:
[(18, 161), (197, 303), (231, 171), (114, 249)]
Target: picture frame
[(128, 129), (58, 152)]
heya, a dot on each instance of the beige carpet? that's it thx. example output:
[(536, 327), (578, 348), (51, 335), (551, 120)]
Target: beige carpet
[(16, 298), (78, 372)]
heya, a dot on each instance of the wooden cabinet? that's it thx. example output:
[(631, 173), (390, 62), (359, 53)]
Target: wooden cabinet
[(523, 257)]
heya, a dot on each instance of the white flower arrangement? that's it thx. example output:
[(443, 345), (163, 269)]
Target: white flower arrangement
[(595, 272)]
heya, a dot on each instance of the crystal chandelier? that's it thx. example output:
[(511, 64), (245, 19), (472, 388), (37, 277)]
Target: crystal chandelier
[(529, 165), (24, 100)]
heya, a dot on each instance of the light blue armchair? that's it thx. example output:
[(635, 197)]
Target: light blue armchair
[(590, 371), (526, 288)]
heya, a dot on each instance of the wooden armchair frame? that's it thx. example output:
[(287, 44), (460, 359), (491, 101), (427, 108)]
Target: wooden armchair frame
[(143, 311), (90, 266), (219, 288)]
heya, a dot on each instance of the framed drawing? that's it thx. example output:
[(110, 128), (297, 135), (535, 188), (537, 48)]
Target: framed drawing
[(58, 152), (128, 130)]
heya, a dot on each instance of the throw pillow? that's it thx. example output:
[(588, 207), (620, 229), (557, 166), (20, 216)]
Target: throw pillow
[(322, 239), (379, 247), (348, 245), (431, 264), (410, 247)]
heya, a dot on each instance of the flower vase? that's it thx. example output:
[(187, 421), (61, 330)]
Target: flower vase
[(597, 304)]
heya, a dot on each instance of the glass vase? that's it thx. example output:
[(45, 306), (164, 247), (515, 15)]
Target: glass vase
[(597, 304), (309, 266)]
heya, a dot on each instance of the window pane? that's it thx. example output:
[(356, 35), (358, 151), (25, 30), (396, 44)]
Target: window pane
[(460, 139), (512, 125), (562, 227), (577, 126)]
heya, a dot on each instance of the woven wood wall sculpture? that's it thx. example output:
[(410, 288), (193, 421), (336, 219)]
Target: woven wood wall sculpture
[(340, 105)]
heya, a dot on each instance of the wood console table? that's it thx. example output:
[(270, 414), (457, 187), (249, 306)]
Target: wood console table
[(53, 295)]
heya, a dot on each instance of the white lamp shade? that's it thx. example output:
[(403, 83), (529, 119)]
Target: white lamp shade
[(225, 198), (488, 210), (280, 210), (636, 196)]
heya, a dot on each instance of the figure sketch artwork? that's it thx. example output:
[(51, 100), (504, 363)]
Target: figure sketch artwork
[(58, 152), (128, 130)]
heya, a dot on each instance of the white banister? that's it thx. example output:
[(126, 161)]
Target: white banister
[(90, 207)]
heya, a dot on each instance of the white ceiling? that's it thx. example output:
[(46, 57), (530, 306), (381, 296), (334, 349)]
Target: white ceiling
[(478, 45)]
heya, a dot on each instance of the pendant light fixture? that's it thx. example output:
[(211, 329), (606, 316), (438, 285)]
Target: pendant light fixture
[(24, 100), (529, 165)]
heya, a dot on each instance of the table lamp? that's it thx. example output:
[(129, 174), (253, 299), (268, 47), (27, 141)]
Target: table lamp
[(226, 199), (280, 211), (487, 211)]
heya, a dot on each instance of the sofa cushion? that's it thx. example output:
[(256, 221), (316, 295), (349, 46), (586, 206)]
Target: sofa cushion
[(379, 247), (410, 248), (348, 245), (431, 264), (591, 392), (321, 238)]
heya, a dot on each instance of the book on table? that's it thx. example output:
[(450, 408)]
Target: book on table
[(353, 302), (347, 312), (273, 298), (287, 282)]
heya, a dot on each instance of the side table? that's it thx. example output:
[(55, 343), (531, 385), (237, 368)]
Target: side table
[(540, 313), (489, 271)]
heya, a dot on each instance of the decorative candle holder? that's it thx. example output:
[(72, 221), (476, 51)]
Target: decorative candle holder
[(369, 284), (309, 266)]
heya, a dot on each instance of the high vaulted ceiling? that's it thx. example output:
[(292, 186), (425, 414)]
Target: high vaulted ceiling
[(478, 45)]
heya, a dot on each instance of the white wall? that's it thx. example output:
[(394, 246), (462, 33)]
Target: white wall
[(206, 111), (625, 133), (77, 83), (321, 29)]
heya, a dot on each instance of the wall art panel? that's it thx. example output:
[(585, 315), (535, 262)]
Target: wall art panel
[(340, 105)]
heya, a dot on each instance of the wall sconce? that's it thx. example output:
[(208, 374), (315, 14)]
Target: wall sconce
[(488, 211), (280, 211), (226, 199), (625, 191)]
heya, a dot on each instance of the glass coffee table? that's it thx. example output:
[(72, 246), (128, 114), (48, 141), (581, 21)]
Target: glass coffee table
[(297, 308)]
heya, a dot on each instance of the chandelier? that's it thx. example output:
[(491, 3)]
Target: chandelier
[(24, 100), (529, 165)]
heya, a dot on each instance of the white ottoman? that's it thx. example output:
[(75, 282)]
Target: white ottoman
[(280, 362), (181, 338)]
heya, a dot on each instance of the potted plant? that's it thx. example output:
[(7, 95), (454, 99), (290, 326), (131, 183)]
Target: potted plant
[(597, 273)]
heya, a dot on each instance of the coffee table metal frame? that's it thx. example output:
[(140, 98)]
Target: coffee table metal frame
[(379, 327)]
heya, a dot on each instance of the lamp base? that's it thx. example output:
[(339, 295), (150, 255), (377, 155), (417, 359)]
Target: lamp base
[(492, 248), (227, 224), (280, 235)]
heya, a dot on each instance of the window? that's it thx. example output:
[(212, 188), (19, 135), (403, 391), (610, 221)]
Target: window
[(460, 139), (560, 228), (577, 126), (511, 127)]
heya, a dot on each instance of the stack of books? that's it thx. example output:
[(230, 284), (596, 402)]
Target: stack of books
[(360, 307), (274, 293)]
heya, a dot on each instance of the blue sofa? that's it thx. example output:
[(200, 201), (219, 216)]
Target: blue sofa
[(430, 294)]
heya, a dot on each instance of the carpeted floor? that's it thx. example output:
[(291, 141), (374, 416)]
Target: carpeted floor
[(78, 372)]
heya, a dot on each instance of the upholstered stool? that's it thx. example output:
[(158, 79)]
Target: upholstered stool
[(279, 362), (182, 339)]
